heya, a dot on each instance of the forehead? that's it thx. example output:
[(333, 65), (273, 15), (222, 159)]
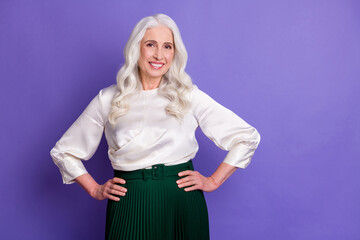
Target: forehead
[(159, 34)]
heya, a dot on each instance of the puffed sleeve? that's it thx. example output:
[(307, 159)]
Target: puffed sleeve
[(227, 130), (80, 141)]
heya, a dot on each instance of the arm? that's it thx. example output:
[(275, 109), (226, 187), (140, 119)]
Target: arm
[(194, 180), (81, 141), (229, 132)]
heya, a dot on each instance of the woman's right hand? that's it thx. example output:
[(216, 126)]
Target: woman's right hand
[(109, 189)]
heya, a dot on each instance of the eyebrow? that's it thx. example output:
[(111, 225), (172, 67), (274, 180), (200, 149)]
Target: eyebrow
[(156, 42)]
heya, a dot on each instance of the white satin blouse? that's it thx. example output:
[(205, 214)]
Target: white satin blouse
[(146, 135)]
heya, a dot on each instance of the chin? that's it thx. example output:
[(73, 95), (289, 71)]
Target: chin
[(157, 74)]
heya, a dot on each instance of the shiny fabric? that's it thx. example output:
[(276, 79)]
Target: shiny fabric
[(147, 135)]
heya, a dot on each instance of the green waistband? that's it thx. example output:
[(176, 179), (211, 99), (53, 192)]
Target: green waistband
[(158, 171)]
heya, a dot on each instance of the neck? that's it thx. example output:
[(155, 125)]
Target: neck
[(150, 83)]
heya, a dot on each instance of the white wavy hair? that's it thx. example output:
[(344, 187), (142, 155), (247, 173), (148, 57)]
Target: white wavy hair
[(175, 83)]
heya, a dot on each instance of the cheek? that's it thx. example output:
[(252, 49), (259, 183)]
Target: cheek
[(169, 57), (145, 54), (142, 62)]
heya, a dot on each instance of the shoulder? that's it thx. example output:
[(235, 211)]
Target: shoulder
[(195, 92), (106, 95), (198, 96), (109, 90), (202, 103)]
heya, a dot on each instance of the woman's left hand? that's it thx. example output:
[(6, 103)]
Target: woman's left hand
[(193, 180)]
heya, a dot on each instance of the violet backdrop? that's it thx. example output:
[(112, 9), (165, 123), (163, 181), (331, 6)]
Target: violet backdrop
[(289, 68)]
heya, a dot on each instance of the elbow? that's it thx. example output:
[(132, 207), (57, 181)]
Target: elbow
[(257, 138), (52, 152), (55, 159), (55, 155)]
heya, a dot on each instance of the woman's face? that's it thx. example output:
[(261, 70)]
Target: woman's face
[(156, 53)]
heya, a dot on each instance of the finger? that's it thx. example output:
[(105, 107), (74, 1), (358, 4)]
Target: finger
[(118, 188), (187, 184), (116, 192), (118, 180), (195, 187), (184, 179), (183, 173), (112, 197)]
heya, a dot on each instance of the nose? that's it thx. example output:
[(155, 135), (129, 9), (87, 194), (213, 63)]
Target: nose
[(158, 54)]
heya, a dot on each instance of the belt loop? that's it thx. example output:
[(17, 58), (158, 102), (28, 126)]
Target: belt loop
[(144, 174), (189, 165)]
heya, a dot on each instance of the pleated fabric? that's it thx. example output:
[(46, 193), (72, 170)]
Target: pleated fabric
[(157, 209)]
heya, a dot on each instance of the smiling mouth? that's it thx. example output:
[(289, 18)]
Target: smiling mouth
[(156, 65)]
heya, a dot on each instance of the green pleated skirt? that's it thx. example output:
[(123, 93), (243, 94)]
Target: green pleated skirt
[(155, 208)]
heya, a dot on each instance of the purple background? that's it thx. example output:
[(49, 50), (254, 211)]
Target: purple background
[(291, 69)]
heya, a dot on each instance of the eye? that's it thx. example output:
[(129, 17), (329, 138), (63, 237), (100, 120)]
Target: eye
[(150, 45), (168, 46)]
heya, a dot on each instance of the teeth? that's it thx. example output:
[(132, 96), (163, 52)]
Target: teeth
[(156, 65)]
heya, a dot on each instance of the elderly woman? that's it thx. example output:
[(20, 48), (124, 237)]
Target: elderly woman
[(149, 118)]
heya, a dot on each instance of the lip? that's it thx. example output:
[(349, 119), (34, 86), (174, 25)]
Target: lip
[(159, 65)]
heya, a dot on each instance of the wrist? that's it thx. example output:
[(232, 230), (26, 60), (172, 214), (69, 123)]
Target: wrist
[(94, 190), (213, 180)]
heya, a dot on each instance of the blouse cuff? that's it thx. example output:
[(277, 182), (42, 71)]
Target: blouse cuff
[(239, 156), (70, 179), (76, 166)]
